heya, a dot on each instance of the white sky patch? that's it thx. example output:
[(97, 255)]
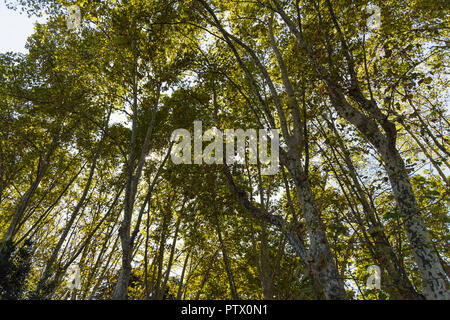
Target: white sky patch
[(15, 28), (118, 117)]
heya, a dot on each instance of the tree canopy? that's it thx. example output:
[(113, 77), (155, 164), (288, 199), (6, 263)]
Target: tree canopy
[(93, 207)]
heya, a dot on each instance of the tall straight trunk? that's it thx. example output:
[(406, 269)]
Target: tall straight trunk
[(291, 235), (322, 264), (162, 244), (265, 269), (133, 177), (172, 253), (226, 260), (121, 289), (180, 285), (39, 291), (147, 228), (266, 272), (434, 277), (427, 258), (147, 235)]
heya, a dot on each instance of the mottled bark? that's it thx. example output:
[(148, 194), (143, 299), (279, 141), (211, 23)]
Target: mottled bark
[(325, 275), (265, 267), (323, 265), (434, 279), (133, 177), (381, 249)]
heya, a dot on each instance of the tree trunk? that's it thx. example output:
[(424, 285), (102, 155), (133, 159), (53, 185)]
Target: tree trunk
[(26, 198), (226, 261), (180, 286)]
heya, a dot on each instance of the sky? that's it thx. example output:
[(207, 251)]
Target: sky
[(15, 27)]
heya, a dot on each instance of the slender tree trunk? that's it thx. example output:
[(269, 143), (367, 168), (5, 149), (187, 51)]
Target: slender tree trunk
[(226, 260), (381, 249), (26, 198), (180, 286), (39, 291), (172, 253), (265, 270), (427, 154), (266, 273), (322, 263), (427, 259), (166, 221), (434, 277), (133, 177), (206, 275)]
